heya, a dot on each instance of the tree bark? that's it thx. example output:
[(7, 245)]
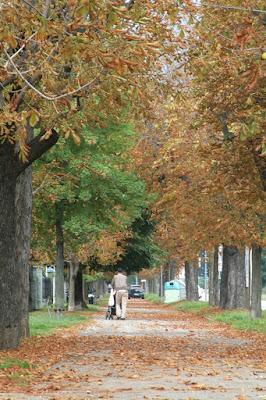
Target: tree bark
[(191, 273), (214, 280), (232, 292), (255, 310), (172, 268), (85, 287), (73, 270), (15, 228), (59, 272)]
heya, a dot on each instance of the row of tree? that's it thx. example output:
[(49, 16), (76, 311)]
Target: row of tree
[(65, 66), (190, 77), (209, 147)]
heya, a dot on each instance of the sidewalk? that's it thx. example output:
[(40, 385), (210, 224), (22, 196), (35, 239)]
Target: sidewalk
[(156, 353)]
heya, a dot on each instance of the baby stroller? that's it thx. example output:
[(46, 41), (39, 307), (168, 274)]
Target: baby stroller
[(111, 306)]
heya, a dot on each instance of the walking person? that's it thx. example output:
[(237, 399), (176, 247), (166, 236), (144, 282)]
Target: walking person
[(119, 283)]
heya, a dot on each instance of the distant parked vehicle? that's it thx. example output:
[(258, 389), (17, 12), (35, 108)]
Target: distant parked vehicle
[(91, 295), (136, 291)]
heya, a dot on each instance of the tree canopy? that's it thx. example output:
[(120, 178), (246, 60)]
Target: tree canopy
[(69, 63), (97, 190)]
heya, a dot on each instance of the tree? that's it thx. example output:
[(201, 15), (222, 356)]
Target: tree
[(263, 268), (191, 272), (73, 271), (137, 250), (209, 167), (214, 280), (229, 86), (233, 294), (74, 62), (255, 309), (93, 192)]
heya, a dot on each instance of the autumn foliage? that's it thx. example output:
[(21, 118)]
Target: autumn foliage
[(207, 147)]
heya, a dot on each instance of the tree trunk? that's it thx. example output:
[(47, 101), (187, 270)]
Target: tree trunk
[(79, 289), (15, 228), (85, 288), (171, 269), (15, 233), (73, 270), (191, 273), (214, 280), (59, 272), (255, 310), (232, 293)]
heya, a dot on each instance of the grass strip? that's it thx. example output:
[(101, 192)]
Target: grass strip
[(241, 320), (153, 298), (238, 319), (192, 306), (41, 324)]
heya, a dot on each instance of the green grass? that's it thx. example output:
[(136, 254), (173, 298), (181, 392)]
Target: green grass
[(153, 298), (9, 362), (191, 306), (93, 307), (103, 300), (41, 324), (237, 319), (241, 320), (6, 365)]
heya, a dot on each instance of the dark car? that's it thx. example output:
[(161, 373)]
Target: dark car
[(135, 291)]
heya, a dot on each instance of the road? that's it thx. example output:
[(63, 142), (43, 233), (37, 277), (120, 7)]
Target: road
[(157, 353)]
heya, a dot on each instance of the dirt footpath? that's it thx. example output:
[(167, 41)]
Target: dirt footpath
[(156, 353)]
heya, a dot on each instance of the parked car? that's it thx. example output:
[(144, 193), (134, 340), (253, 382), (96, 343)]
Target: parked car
[(135, 291), (91, 295)]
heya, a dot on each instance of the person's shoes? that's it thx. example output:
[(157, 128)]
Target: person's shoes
[(119, 318), (122, 318)]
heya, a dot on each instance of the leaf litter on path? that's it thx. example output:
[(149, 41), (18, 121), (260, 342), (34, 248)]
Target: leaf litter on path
[(156, 353)]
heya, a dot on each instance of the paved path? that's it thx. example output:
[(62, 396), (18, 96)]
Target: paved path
[(155, 354)]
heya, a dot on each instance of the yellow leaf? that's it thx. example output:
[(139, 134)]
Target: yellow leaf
[(33, 118)]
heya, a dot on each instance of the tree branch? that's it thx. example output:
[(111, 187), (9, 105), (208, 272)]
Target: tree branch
[(56, 97), (230, 7), (37, 147)]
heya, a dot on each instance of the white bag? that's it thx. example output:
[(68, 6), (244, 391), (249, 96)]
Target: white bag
[(111, 302)]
